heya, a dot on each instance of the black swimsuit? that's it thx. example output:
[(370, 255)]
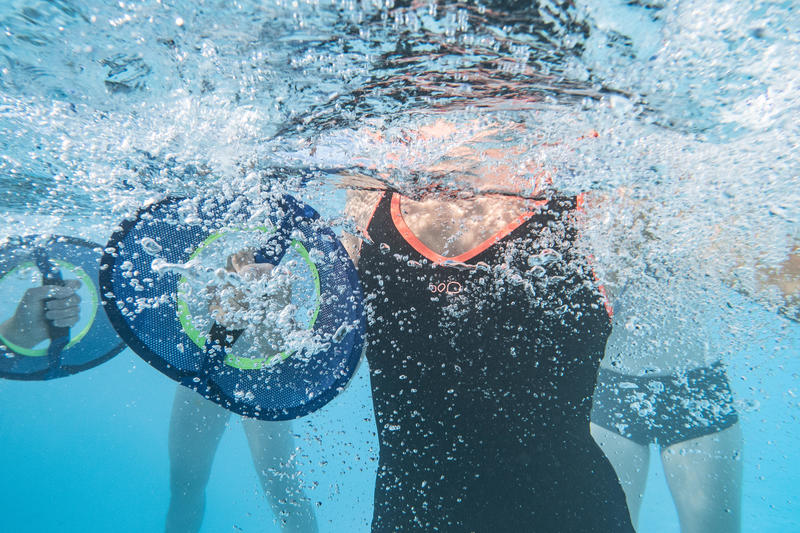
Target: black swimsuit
[(482, 374)]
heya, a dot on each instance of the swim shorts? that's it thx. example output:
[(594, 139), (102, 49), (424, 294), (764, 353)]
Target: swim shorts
[(664, 409)]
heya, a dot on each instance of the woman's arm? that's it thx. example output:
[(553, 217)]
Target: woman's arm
[(359, 208), (616, 231), (630, 226), (786, 279)]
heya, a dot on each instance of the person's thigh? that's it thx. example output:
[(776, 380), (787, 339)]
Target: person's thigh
[(274, 451), (271, 443), (630, 462), (705, 477), (195, 429)]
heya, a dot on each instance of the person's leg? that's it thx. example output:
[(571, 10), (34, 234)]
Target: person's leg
[(272, 446), (705, 478), (630, 462), (195, 430)]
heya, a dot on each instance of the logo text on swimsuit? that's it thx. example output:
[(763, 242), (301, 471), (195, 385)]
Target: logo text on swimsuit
[(451, 287)]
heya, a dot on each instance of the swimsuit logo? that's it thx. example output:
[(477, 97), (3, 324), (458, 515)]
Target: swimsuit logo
[(451, 287)]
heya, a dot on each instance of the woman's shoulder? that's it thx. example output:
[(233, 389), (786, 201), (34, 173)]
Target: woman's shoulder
[(362, 197), (360, 207)]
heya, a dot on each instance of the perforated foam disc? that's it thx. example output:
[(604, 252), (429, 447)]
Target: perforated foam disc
[(32, 261), (167, 273)]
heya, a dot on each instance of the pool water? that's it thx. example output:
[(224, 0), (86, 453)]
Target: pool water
[(107, 106)]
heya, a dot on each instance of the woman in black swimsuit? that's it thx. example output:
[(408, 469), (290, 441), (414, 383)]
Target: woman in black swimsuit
[(485, 334), (482, 369)]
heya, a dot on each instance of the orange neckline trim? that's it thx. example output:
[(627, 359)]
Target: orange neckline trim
[(420, 247)]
